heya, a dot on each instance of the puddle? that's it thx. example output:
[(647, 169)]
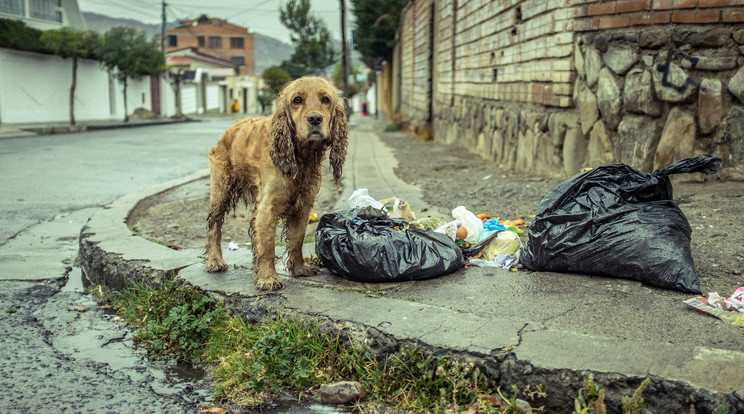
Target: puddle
[(76, 281)]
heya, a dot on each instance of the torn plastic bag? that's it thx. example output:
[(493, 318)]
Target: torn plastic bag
[(366, 245), (620, 222)]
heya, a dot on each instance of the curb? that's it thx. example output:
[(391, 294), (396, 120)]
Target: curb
[(511, 351)]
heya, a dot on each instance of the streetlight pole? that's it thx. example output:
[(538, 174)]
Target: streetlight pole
[(344, 62)]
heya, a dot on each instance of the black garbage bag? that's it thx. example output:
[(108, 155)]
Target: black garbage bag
[(365, 245), (620, 222)]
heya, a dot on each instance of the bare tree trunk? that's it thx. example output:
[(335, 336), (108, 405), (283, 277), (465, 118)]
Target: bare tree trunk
[(72, 89), (126, 111), (177, 87)]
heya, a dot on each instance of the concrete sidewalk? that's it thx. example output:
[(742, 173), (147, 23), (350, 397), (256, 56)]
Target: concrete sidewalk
[(16, 130), (523, 327)]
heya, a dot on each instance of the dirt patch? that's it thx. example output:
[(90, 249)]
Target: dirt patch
[(450, 176)]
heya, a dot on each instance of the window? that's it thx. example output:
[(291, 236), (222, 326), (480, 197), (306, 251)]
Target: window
[(240, 60), (236, 43), (45, 10), (215, 42), (12, 7), (202, 43), (172, 40)]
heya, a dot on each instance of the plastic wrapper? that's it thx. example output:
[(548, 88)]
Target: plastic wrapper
[(360, 198), (472, 224), (366, 245), (620, 222)]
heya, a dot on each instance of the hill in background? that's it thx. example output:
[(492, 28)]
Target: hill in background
[(268, 50)]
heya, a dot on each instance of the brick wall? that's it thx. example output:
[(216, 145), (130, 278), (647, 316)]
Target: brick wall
[(536, 84)]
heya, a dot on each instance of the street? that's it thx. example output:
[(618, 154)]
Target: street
[(60, 353)]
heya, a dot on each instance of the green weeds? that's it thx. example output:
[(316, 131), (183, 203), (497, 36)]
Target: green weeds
[(251, 363)]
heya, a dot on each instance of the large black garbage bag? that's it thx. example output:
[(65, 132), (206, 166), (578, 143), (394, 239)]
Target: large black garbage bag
[(620, 222), (364, 245)]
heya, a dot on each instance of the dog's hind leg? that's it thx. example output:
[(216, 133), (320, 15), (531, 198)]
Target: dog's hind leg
[(296, 228), (219, 204)]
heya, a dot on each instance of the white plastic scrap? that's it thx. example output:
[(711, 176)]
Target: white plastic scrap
[(361, 198), (233, 246)]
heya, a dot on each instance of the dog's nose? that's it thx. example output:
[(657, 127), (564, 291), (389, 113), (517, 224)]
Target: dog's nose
[(314, 118)]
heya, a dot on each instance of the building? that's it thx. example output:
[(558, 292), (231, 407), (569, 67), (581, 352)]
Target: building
[(44, 14), (217, 38), (552, 87)]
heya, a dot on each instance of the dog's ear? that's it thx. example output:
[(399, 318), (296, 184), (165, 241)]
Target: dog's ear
[(339, 126), (282, 144)]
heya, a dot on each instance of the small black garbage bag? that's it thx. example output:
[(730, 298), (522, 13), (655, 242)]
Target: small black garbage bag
[(365, 245), (620, 222)]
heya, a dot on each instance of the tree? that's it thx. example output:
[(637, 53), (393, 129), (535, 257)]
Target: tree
[(337, 75), (68, 42), (128, 54), (376, 22), (310, 37), (174, 76), (15, 34), (274, 78)]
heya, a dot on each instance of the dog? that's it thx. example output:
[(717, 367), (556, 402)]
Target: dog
[(275, 164)]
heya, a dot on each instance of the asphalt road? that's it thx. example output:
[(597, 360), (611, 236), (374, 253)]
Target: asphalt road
[(59, 352)]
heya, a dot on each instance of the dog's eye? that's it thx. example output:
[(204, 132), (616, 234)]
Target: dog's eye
[(325, 100), (297, 100)]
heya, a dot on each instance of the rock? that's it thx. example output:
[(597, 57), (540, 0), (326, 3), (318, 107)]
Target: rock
[(672, 83), (638, 94), (648, 60), (574, 151), (739, 36), (483, 145), (710, 105), (620, 59), (542, 121), (602, 41), (636, 141), (652, 39), (526, 150), (709, 39), (729, 141), (677, 140), (588, 109), (736, 85), (592, 63), (342, 392), (608, 98), (709, 63), (599, 147), (578, 60)]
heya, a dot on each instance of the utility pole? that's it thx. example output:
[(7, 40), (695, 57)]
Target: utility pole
[(344, 60), (163, 45)]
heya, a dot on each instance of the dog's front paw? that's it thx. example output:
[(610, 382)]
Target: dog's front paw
[(304, 270), (216, 265), (268, 283)]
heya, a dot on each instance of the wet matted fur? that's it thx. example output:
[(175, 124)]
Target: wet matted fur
[(274, 163)]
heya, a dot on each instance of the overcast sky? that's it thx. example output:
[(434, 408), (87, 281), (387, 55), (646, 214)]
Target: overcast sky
[(261, 16)]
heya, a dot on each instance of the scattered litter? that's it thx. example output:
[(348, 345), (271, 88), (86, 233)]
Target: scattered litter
[(617, 221), (730, 310), (504, 261), (428, 223), (361, 198), (398, 208), (472, 224), (449, 229), (233, 246)]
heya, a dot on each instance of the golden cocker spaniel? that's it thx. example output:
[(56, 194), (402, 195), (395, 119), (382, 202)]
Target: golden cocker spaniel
[(275, 163)]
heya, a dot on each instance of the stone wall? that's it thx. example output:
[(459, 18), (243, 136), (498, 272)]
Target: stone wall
[(553, 86)]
